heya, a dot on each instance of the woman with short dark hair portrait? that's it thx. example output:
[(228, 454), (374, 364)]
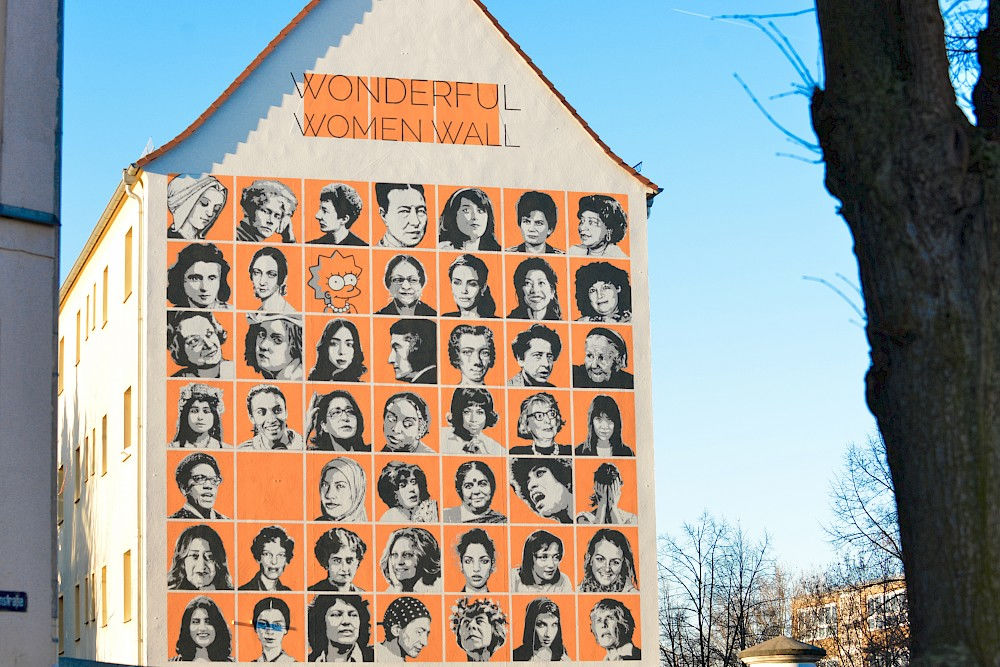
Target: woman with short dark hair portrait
[(411, 561), (602, 223), (467, 222), (339, 629), (271, 621), (539, 570), (477, 558), (269, 280), (467, 275), (199, 278), (343, 487), (480, 627), (537, 217), (540, 422), (336, 423), (273, 550), (608, 565), (204, 634), (545, 485), (471, 412), (403, 487), (604, 430), (542, 639), (603, 293), (405, 279), (476, 486), (536, 285), (199, 562), (273, 345), (340, 552), (605, 498), (199, 408), (339, 354), (195, 203), (198, 477)]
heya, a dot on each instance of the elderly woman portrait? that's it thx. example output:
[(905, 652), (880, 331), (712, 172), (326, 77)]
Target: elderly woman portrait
[(477, 558), (268, 207), (537, 217), (480, 627), (198, 478), (539, 569), (194, 340), (535, 284), (271, 620), (339, 629), (411, 561), (467, 222), (268, 413), (467, 276), (204, 634), (608, 565), (603, 293), (546, 485), (613, 626), (602, 224), (273, 345), (403, 487), (340, 552), (195, 203), (472, 352), (339, 355), (273, 550), (605, 498), (269, 279), (335, 423), (540, 422), (199, 408), (405, 420), (199, 562), (604, 430), (199, 278), (405, 279), (476, 485), (542, 639), (343, 488), (407, 625), (340, 207), (471, 412), (605, 357)]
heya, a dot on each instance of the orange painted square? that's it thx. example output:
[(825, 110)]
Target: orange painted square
[(449, 374), (335, 105), (582, 400), (315, 461), (519, 537), (579, 292), (222, 228), (359, 392), (589, 648), (498, 466), (573, 209), (361, 226), (428, 242), (323, 261), (226, 407), (225, 319), (381, 298), (392, 105), (174, 248), (364, 578), (248, 565), (584, 535), (225, 531), (494, 280), (567, 620), (293, 184), (516, 398), (559, 376), (383, 532), (454, 580), (584, 477), (293, 405), (293, 642), (429, 466), (434, 651), (512, 236), (245, 299), (520, 511), (447, 418), (579, 332), (445, 193), (177, 601), (559, 265), (382, 395), (224, 494), (471, 109), (269, 486), (452, 651)]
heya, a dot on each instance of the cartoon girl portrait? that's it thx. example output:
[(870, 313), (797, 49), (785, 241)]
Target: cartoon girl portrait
[(335, 282)]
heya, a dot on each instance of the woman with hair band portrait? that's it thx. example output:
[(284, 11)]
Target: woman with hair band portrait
[(467, 222), (199, 409), (542, 640)]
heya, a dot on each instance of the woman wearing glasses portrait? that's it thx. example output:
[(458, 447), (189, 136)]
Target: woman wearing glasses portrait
[(405, 279), (540, 422), (335, 423), (198, 478)]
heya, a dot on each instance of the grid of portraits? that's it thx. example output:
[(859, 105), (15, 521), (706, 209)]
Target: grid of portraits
[(401, 423)]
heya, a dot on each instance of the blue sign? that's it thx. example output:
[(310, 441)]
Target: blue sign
[(13, 601)]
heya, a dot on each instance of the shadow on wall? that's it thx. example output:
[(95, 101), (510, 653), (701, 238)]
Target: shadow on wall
[(242, 112)]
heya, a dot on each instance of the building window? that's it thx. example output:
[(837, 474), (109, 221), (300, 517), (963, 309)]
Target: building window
[(86, 319), (104, 596), (128, 265), (78, 338), (93, 597), (62, 360), (127, 586), (127, 418), (887, 610), (86, 446), (818, 622), (61, 630), (93, 452), (93, 306), (60, 496), (104, 445), (104, 297), (76, 613), (77, 475)]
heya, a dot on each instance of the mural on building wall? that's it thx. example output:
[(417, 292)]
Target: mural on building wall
[(401, 422)]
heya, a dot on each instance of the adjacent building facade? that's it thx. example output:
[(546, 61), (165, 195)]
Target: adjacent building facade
[(357, 368)]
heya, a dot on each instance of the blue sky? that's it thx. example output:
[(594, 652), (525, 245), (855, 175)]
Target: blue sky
[(758, 374)]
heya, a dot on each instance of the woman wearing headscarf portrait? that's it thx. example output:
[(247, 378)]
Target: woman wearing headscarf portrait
[(343, 488)]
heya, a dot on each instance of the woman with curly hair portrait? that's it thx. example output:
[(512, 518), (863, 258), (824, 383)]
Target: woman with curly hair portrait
[(339, 628), (335, 423), (603, 293), (268, 207), (467, 275), (467, 222), (535, 284), (480, 627), (539, 569), (602, 224), (546, 485), (403, 487), (195, 203), (343, 488), (411, 562), (542, 640), (471, 412), (204, 634), (608, 565), (198, 410), (339, 355), (199, 278), (476, 485), (604, 430), (199, 562)]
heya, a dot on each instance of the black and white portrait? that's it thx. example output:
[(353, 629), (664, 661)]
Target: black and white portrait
[(343, 490), (603, 293), (339, 354), (272, 619), (405, 279), (602, 224), (608, 565), (340, 206), (268, 412), (467, 276), (540, 422), (604, 509), (536, 350), (537, 217), (204, 634), (199, 408), (340, 552), (339, 629), (605, 357), (199, 278), (268, 207), (406, 419), (467, 222), (542, 637), (273, 345), (476, 485), (336, 423), (413, 351), (613, 626), (472, 352), (269, 279), (198, 478), (403, 209), (604, 430), (199, 562), (477, 558), (539, 571), (535, 285), (546, 485), (195, 203), (403, 488), (407, 625), (411, 561), (273, 550), (471, 411), (479, 626), (195, 340)]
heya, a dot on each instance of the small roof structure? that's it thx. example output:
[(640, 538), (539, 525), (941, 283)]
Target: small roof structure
[(780, 650)]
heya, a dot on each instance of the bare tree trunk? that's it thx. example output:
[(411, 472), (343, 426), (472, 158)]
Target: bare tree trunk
[(920, 191)]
